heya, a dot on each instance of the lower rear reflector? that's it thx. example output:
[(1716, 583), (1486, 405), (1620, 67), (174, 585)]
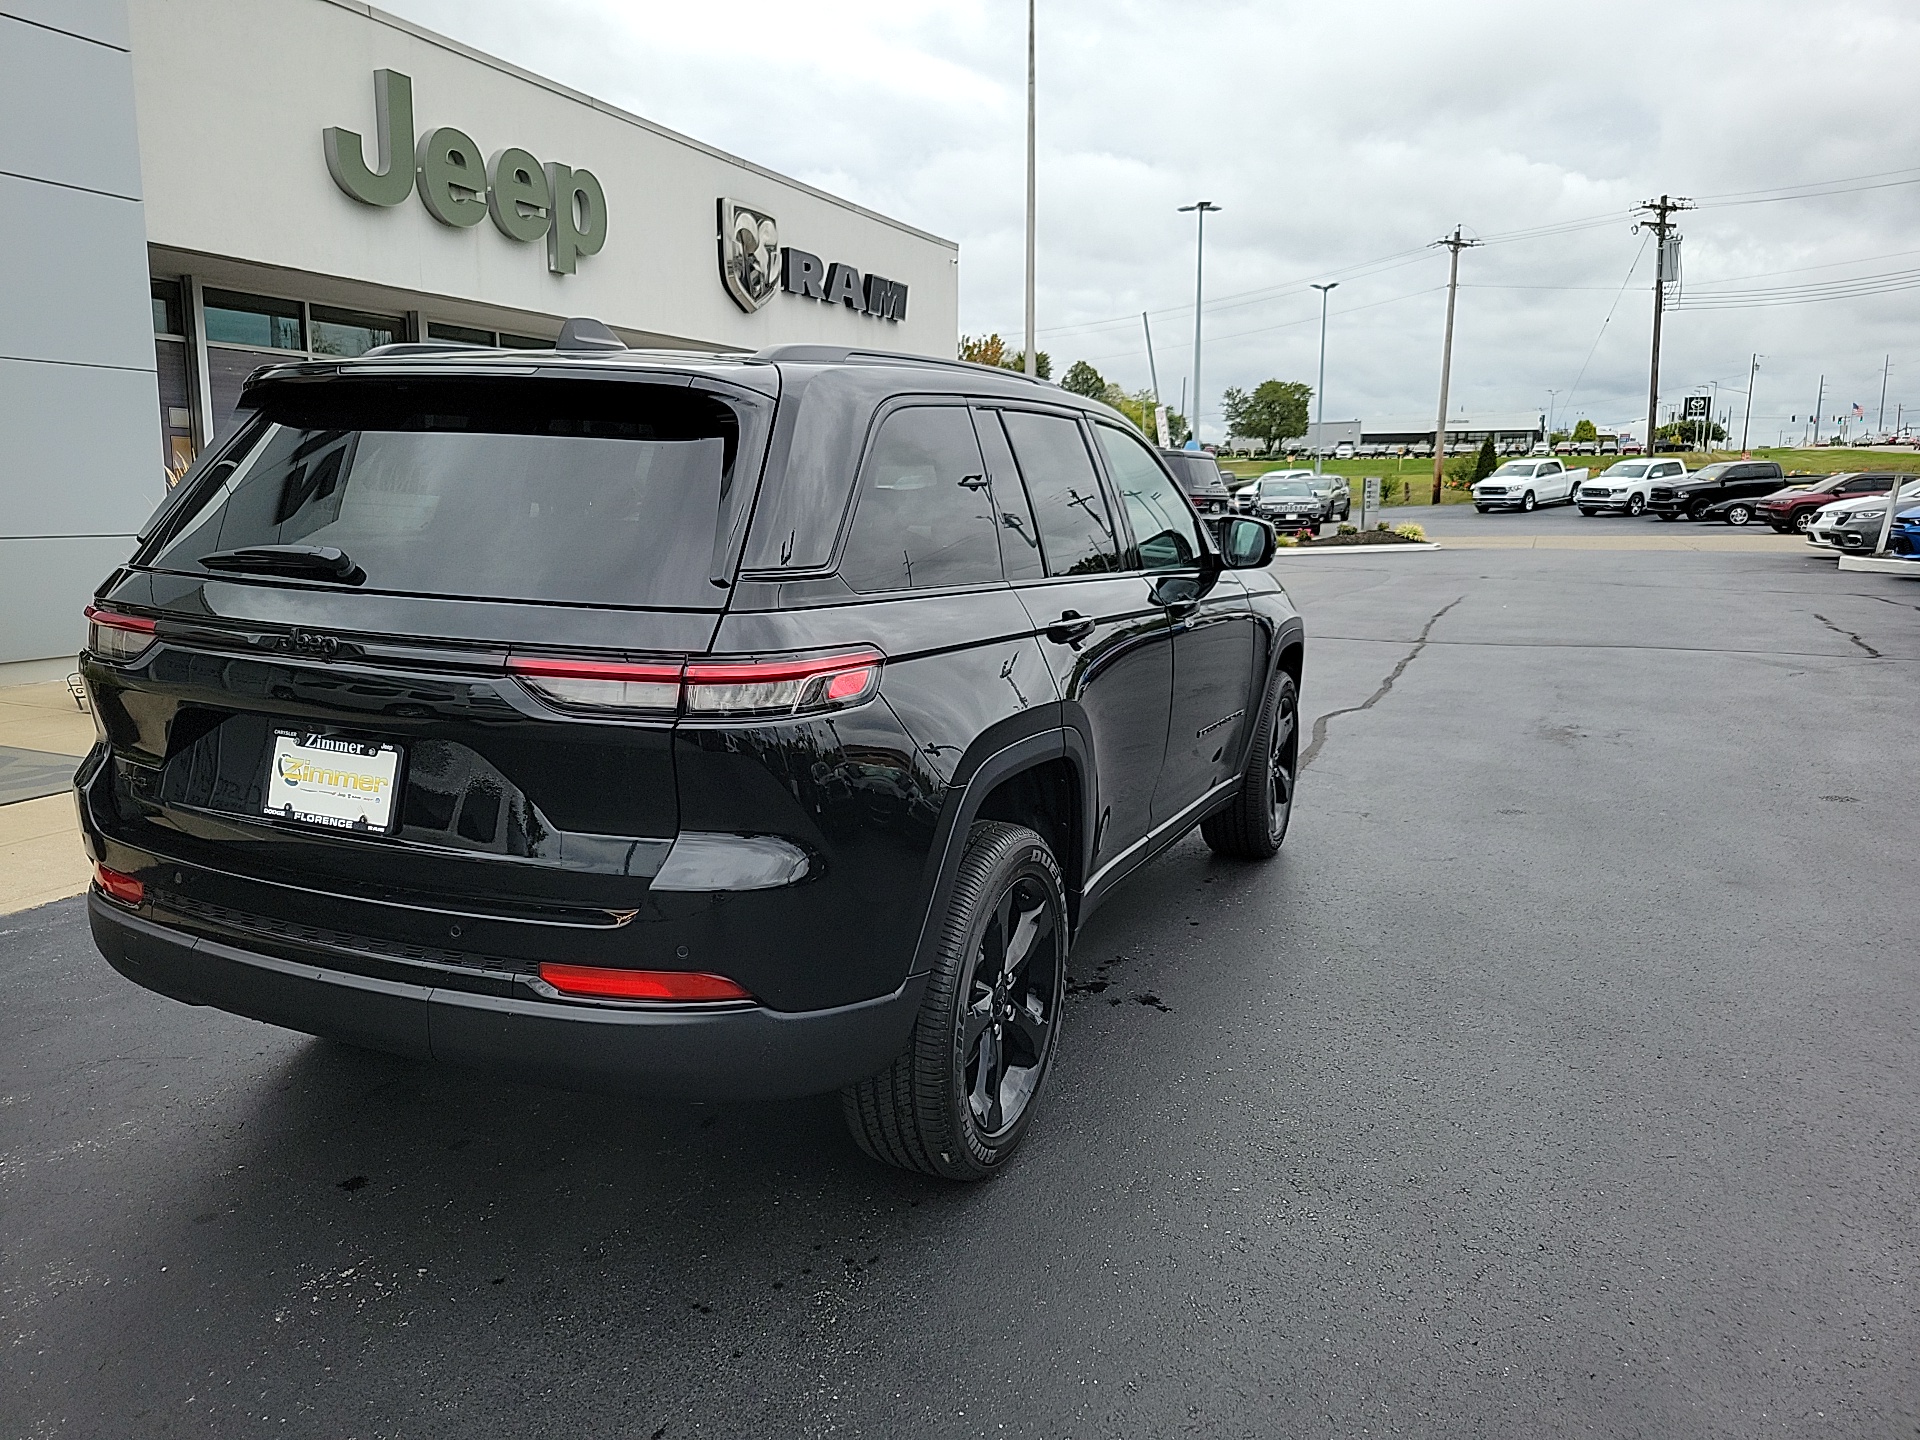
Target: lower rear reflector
[(124, 888), (603, 983)]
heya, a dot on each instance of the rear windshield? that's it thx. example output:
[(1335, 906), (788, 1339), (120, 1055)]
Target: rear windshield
[(569, 490), (1199, 473)]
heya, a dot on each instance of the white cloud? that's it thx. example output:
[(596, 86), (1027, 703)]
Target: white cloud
[(1332, 135)]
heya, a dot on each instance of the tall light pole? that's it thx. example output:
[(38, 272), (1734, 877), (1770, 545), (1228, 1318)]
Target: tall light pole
[(1033, 364), (1320, 395), (1549, 415), (1747, 424), (1199, 209), (1881, 426)]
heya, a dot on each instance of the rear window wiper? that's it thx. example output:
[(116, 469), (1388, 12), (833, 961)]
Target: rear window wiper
[(322, 562)]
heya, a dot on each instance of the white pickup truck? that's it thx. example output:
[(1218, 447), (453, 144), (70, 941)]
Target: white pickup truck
[(1525, 484)]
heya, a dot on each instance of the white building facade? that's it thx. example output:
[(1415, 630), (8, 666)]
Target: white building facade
[(195, 188)]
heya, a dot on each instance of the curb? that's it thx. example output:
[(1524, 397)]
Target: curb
[(1352, 549)]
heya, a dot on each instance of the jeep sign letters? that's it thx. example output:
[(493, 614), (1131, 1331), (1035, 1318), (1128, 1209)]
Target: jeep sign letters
[(525, 199)]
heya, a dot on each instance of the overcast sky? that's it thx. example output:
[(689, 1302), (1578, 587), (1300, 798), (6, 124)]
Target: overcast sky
[(1340, 140)]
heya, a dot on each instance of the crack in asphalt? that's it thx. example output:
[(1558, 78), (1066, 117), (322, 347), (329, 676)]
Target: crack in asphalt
[(1320, 725), (1598, 645), (1848, 633)]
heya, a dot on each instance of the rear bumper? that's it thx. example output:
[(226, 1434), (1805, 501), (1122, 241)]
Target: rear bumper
[(741, 1052)]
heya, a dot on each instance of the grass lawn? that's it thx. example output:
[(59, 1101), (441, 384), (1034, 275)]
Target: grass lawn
[(1408, 480)]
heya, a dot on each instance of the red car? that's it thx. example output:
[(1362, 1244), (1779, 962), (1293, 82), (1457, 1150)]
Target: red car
[(1792, 509)]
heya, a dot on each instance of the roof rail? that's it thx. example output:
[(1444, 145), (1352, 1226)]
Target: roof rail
[(420, 347), (585, 333), (855, 355)]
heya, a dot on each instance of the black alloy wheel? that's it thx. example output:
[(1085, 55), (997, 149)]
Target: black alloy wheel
[(959, 1098), (1253, 826), (1803, 521), (1740, 515), (1636, 505), (1527, 502)]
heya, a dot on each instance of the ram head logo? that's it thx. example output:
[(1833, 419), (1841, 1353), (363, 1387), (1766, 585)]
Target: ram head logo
[(749, 254)]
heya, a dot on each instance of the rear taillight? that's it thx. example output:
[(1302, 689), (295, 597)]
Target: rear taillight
[(124, 888), (118, 638), (793, 686), (597, 982), (777, 685), (601, 685)]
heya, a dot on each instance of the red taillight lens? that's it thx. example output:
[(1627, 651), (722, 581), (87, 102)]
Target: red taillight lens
[(782, 687), (118, 638), (601, 983), (124, 888), (601, 684), (787, 685)]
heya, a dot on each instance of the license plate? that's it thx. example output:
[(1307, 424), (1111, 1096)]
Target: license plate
[(325, 780)]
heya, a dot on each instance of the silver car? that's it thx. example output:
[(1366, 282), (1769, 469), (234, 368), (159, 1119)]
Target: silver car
[(1854, 524)]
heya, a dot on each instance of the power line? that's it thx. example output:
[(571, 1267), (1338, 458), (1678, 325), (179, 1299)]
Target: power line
[(1637, 255)]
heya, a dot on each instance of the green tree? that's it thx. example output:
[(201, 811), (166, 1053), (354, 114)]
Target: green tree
[(1488, 460), (1584, 430), (992, 350), (1082, 379), (1275, 412), (1687, 432), (1138, 407)]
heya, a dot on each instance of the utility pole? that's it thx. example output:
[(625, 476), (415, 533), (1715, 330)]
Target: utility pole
[(1883, 393), (1033, 362), (1153, 371), (1662, 226), (1455, 245), (1320, 395), (1547, 419), (1199, 209), (1747, 424)]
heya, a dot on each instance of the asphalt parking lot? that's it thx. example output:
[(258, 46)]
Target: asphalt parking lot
[(1562, 1077)]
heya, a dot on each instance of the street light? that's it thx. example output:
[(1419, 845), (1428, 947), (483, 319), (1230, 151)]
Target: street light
[(1199, 209), (1320, 396)]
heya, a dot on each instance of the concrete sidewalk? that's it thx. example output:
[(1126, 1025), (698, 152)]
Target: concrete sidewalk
[(40, 854)]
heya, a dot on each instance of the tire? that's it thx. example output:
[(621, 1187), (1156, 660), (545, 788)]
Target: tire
[(1699, 513), (936, 1109), (1588, 513), (1253, 826), (1739, 514), (1803, 521), (1527, 503), (1636, 506), (1483, 508), (1669, 519)]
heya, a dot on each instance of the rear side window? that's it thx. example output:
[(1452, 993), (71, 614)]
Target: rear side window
[(1163, 525), (1076, 532), (924, 517), (547, 490)]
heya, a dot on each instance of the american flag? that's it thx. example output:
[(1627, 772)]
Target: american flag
[(1858, 413)]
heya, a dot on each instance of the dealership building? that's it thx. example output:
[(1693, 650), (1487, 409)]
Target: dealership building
[(196, 188)]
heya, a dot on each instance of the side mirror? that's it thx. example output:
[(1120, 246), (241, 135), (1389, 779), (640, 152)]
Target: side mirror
[(1245, 543)]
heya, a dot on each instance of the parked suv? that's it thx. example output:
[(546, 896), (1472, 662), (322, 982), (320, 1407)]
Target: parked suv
[(1706, 487), (714, 726), (1793, 509), (1199, 474)]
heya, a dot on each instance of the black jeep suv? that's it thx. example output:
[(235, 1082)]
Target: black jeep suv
[(699, 725)]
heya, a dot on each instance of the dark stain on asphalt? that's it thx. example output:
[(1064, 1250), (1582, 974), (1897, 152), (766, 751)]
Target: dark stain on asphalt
[(352, 1183), (1147, 997), (1848, 633), (1320, 725), (1841, 799)]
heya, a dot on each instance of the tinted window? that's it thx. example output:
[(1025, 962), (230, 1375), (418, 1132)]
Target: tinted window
[(235, 319), (1020, 557), (1164, 530), (521, 490), (925, 514), (1076, 532)]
